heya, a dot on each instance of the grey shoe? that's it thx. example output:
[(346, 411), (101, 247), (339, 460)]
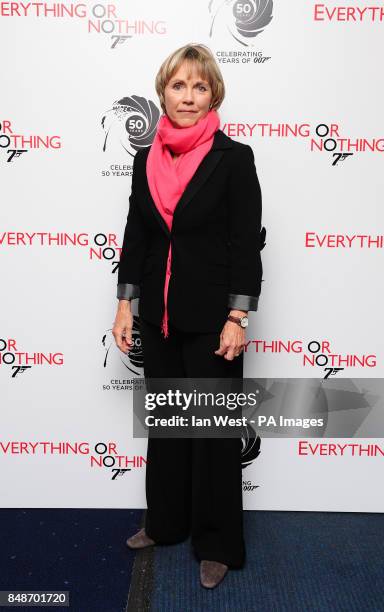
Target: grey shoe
[(139, 540), (211, 573)]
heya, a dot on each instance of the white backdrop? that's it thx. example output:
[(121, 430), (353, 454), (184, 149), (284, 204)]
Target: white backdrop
[(317, 64)]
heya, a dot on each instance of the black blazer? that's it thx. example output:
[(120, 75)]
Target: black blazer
[(216, 241)]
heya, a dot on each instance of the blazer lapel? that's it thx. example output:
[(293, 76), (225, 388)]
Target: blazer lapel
[(204, 170), (208, 164)]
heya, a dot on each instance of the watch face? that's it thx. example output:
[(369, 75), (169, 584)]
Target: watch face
[(244, 322)]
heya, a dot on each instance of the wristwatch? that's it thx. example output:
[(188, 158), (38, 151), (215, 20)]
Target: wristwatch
[(242, 321)]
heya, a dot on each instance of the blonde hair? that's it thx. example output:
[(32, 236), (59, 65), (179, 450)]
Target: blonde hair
[(206, 64)]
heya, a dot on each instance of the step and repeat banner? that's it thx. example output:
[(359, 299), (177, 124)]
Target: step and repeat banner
[(304, 88)]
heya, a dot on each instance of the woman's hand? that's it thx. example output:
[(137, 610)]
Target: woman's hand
[(232, 338), (122, 327)]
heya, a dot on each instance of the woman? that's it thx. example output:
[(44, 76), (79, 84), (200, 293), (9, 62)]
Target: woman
[(191, 253)]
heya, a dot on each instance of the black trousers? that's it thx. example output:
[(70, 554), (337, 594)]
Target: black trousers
[(193, 485)]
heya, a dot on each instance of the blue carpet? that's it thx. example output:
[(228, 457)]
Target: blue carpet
[(296, 562), (81, 551)]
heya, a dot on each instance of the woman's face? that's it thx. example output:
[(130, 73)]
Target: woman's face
[(187, 96)]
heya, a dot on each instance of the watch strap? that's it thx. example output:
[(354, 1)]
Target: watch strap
[(235, 319)]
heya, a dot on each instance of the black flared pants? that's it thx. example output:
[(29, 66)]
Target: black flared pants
[(193, 485)]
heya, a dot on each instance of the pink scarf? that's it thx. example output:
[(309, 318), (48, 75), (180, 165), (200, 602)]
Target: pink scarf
[(167, 179)]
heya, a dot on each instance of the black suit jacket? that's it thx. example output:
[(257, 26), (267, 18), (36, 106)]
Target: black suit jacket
[(216, 241)]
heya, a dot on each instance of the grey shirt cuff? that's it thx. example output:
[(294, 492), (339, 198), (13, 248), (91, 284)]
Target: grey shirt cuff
[(243, 302), (125, 291)]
